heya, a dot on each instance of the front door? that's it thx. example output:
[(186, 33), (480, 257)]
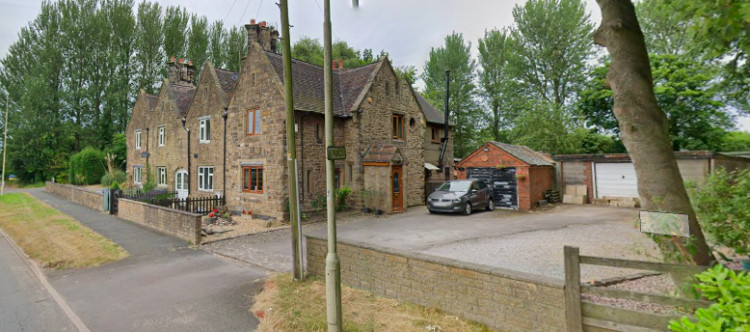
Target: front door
[(397, 188), (181, 184)]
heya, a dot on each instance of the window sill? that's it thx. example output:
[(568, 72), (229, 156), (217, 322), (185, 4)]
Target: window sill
[(206, 190), (204, 142), (161, 146)]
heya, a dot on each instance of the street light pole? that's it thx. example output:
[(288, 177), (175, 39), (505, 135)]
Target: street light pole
[(5, 144), (333, 265), (291, 145)]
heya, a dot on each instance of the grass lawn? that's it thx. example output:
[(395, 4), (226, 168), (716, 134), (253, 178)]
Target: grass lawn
[(51, 238), (286, 305)]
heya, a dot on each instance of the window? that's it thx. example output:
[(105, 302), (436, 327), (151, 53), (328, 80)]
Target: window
[(398, 126), (205, 130), (387, 88), (137, 174), (337, 177), (161, 135), (351, 174), (253, 122), (435, 135), (206, 178), (161, 178), (318, 133), (252, 179), (137, 139)]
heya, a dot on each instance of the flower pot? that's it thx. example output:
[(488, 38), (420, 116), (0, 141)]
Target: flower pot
[(366, 210), (378, 212), (209, 220)]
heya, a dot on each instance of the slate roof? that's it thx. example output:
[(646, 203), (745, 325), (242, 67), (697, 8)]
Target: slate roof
[(525, 154), (380, 153), (183, 96), (308, 85), (432, 115), (227, 80)]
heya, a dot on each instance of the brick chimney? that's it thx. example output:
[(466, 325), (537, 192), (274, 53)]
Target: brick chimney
[(260, 33), (180, 71), (337, 64)]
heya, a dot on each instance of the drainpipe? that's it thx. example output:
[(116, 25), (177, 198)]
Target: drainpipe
[(446, 126), (302, 150), (224, 178), (184, 119), (147, 129)]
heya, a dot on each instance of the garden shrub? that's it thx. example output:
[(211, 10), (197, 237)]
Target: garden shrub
[(723, 211), (117, 176), (87, 166), (731, 312), (342, 194)]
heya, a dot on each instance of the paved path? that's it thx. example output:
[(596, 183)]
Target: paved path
[(165, 284), (25, 305)]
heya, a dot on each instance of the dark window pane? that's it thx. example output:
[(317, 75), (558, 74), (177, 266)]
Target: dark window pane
[(260, 179)]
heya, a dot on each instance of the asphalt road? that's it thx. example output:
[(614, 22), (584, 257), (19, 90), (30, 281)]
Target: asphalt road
[(25, 305), (165, 284)]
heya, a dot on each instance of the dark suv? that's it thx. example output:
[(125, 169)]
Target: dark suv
[(461, 196)]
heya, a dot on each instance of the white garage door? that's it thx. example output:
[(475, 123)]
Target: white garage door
[(615, 179)]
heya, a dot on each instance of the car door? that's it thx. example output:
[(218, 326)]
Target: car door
[(483, 192), (474, 194)]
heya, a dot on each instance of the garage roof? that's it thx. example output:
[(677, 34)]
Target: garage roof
[(525, 154)]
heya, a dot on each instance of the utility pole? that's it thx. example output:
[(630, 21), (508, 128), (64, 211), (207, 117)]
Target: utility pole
[(291, 145), (5, 143), (446, 128), (333, 266)]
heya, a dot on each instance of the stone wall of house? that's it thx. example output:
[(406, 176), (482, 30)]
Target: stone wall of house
[(181, 224), (89, 199), (139, 120), (432, 153), (258, 87), (502, 299), (311, 155), (380, 190), (388, 96), (173, 155), (209, 102)]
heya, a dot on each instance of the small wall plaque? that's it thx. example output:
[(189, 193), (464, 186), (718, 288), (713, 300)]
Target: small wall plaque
[(336, 153)]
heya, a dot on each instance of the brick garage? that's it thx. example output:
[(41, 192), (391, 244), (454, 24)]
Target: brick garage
[(519, 175)]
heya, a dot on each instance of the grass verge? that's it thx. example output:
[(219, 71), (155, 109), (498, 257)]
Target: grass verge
[(286, 305), (51, 238)]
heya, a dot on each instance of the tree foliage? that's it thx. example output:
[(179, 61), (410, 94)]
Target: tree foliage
[(684, 90), (311, 50), (495, 77), (454, 56)]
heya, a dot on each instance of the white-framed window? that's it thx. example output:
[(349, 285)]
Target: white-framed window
[(137, 174), (205, 130), (206, 178), (161, 178), (137, 139), (161, 135)]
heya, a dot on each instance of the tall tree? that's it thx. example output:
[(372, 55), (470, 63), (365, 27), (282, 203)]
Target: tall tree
[(122, 89), (495, 79), (552, 45), (644, 126), (149, 54), (175, 31), (216, 37), (455, 56), (236, 48), (197, 50), (664, 34)]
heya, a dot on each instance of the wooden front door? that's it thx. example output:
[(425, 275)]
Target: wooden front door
[(397, 188)]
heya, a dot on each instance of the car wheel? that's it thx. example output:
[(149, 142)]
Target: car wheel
[(431, 212), (490, 204), (467, 209)]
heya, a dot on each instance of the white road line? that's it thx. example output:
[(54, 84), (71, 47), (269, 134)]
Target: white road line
[(43, 280)]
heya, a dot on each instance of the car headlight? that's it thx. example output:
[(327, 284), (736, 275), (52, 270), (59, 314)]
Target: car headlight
[(456, 200)]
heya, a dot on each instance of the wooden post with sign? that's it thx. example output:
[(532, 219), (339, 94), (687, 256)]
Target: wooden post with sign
[(336, 153)]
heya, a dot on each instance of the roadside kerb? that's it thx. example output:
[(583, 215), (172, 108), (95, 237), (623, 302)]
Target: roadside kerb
[(502, 299)]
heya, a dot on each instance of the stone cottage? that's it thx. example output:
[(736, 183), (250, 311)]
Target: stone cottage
[(225, 134)]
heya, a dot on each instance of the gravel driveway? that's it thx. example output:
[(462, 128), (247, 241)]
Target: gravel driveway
[(529, 242)]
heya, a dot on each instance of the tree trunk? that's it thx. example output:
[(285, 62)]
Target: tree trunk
[(496, 121), (644, 127)]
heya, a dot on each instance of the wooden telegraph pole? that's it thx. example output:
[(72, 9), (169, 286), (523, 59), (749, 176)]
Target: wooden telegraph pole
[(291, 145)]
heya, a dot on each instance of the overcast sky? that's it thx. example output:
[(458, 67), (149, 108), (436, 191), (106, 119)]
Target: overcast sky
[(406, 29)]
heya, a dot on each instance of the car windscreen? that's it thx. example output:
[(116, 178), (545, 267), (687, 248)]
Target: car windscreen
[(455, 186)]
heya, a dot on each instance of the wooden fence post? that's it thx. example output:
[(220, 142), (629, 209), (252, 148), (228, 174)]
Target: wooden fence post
[(573, 317)]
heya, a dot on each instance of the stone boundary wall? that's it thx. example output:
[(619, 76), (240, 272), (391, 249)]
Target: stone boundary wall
[(499, 298), (77, 195), (181, 224)]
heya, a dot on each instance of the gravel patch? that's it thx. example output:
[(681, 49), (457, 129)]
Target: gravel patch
[(659, 284)]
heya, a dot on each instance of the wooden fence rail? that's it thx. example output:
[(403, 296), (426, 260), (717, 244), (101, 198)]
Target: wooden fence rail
[(581, 315)]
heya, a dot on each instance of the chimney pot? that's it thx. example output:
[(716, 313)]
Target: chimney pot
[(334, 64), (341, 64), (252, 21), (263, 24)]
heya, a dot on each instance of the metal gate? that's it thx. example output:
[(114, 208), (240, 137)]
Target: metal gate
[(503, 183)]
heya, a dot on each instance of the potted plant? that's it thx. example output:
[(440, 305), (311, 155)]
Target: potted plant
[(520, 177), (210, 218)]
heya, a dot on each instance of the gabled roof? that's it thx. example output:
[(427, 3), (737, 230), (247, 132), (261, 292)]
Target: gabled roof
[(430, 112), (382, 153), (525, 154), (183, 96), (227, 80), (308, 85)]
